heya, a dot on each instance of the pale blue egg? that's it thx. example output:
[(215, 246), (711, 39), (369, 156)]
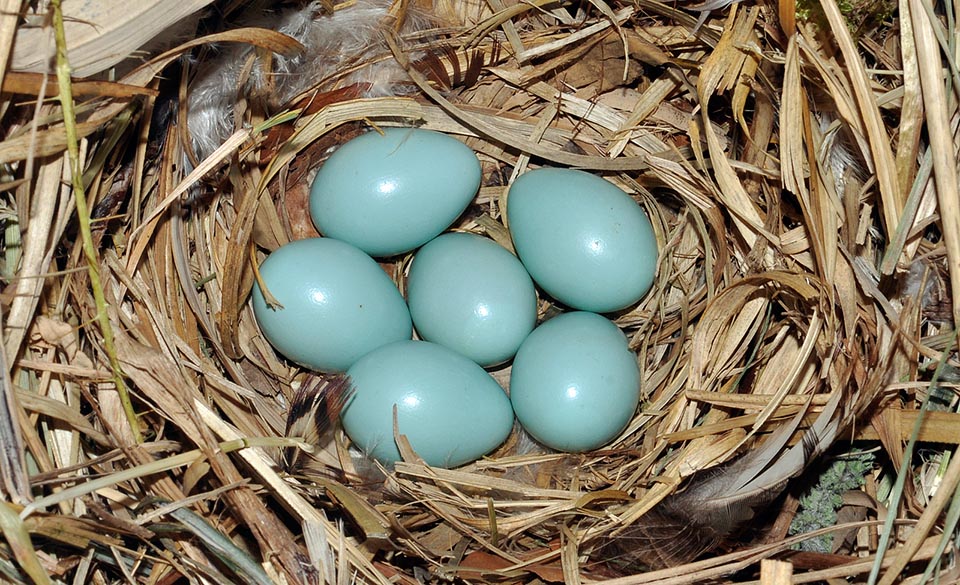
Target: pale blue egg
[(470, 294), (338, 304), (586, 243), (449, 408), (575, 384), (390, 193)]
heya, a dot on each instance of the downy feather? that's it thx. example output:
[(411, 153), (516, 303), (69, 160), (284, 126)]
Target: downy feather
[(717, 502), (349, 39)]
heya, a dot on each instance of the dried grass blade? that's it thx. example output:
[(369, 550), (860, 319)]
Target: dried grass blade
[(320, 552), (265, 469), (509, 29), (83, 213), (910, 128), (224, 548), (746, 216), (500, 17), (743, 90), (128, 474), (36, 258), (102, 33), (33, 84), (179, 246), (371, 522), (9, 14), (474, 481), (935, 427), (81, 533), (235, 289), (775, 572), (884, 163), (49, 142), (649, 102), (60, 411), (737, 422), (911, 213), (569, 558), (19, 541), (578, 37), (520, 143), (752, 400), (13, 468), (934, 508), (732, 317), (793, 377), (792, 152), (938, 113), (940, 32)]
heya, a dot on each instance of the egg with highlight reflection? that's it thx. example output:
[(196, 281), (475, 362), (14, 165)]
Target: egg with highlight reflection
[(586, 243), (575, 384), (388, 192), (335, 304), (470, 294), (450, 409)]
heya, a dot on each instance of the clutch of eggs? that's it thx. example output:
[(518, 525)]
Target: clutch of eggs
[(586, 243)]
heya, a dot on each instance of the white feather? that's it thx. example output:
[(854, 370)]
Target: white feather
[(333, 43)]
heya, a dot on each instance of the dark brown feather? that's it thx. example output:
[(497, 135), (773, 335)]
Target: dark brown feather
[(466, 66), (717, 502), (690, 523), (314, 412)]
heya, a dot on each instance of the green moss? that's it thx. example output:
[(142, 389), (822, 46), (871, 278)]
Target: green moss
[(819, 503), (861, 15)]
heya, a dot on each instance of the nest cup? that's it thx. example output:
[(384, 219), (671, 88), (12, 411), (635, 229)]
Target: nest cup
[(801, 296)]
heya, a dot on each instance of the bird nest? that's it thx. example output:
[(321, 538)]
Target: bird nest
[(796, 351)]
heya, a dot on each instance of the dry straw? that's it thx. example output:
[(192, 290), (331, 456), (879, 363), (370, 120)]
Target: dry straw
[(799, 163)]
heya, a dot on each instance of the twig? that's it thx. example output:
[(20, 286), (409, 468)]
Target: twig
[(83, 213)]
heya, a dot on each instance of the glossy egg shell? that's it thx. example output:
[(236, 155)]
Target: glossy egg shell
[(575, 383), (390, 193), (338, 304), (582, 239), (449, 408), (470, 294)]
